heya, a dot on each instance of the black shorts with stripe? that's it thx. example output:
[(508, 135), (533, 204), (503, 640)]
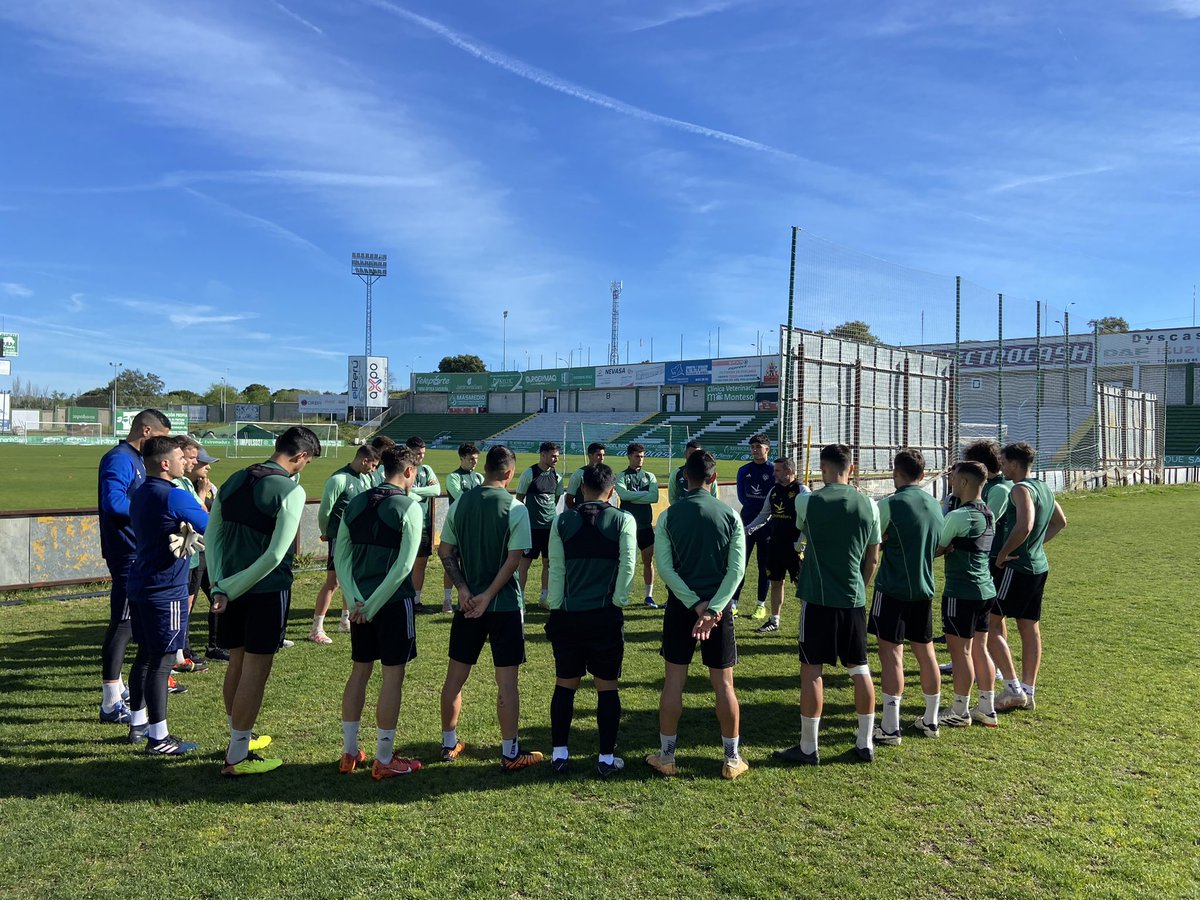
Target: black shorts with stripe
[(390, 637), (254, 623), (895, 620), (159, 626), (965, 618), (1019, 594), (830, 633)]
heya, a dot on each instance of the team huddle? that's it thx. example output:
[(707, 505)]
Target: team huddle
[(168, 534)]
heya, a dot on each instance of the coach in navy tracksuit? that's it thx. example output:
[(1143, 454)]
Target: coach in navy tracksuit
[(754, 481), (121, 473), (158, 591)]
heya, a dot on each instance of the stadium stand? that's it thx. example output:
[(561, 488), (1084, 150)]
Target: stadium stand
[(449, 430), (601, 426), (708, 427)]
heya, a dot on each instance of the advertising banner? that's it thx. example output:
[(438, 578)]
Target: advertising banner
[(1023, 354), (504, 381), (688, 371), (125, 416), (730, 393), (322, 404), (559, 379), (356, 380), (443, 382), (746, 370), (247, 412), (377, 380), (644, 375), (83, 415), (1180, 345), (465, 400), (10, 343)]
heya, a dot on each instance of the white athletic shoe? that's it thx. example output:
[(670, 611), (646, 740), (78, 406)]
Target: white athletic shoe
[(344, 625), (286, 643), (887, 738), (930, 731), (988, 720), (1010, 699), (951, 719)]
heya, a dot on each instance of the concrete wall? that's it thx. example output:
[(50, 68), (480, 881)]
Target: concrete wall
[(506, 403), (430, 403), (622, 399)]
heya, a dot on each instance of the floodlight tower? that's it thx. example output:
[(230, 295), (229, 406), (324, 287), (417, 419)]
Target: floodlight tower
[(613, 355), (369, 267)]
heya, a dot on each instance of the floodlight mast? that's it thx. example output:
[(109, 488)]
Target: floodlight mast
[(369, 267), (614, 355)]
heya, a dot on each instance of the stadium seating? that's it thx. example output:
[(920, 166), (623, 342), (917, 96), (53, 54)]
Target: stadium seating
[(583, 427), (725, 428), (449, 430)]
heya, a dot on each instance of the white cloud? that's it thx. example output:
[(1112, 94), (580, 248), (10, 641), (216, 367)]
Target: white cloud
[(681, 12), (13, 289), (75, 303), (1189, 9), (201, 318), (297, 17)]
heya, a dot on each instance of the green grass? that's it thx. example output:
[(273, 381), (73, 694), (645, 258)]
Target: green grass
[(64, 477), (1091, 795)]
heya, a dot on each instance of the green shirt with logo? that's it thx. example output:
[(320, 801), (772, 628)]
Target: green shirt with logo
[(638, 490)]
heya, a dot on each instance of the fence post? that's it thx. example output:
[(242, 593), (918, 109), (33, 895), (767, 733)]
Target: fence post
[(1067, 382), (905, 410), (956, 418), (857, 417), (800, 396), (1038, 393), (786, 373), (1000, 368)]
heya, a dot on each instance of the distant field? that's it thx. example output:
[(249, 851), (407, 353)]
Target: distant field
[(64, 477)]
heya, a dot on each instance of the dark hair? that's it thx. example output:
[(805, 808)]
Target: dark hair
[(699, 467), (298, 439), (597, 479), (499, 460), (911, 463), (157, 448), (467, 450), (149, 418), (382, 442), (185, 442), (367, 452), (972, 469), (1020, 452), (786, 462), (760, 438), (693, 444), (549, 447), (397, 459), (635, 448), (838, 454), (986, 452), (596, 446), (415, 442)]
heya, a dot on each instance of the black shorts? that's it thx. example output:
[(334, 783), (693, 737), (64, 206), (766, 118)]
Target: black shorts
[(505, 631), (1019, 595), (391, 637), (539, 543), (782, 561), (591, 641), (330, 543), (965, 618), (678, 645), (896, 621), (254, 622), (160, 626), (194, 577), (645, 538), (118, 596), (425, 548), (828, 633)]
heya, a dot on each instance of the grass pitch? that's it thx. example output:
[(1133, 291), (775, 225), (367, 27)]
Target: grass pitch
[(1093, 794)]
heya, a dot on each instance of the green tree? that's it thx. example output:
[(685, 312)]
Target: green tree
[(466, 362), (1109, 325), (256, 393), (134, 388), (183, 397), (855, 330), (213, 395), (287, 395)]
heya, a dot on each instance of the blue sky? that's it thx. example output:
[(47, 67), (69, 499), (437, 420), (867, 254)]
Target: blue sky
[(181, 185)]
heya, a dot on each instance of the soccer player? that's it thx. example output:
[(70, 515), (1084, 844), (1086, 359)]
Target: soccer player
[(593, 551), (965, 541), (121, 473), (340, 488), (754, 481), (198, 580), (595, 456), (251, 540), (158, 581), (424, 487), (380, 442), (377, 542), (458, 483), (539, 488), (701, 553), (910, 524), (783, 560), (1036, 518), (842, 527), (677, 485), (484, 538), (185, 660), (638, 489)]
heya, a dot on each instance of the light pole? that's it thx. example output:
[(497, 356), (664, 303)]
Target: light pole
[(504, 342), (116, 370), (224, 385)]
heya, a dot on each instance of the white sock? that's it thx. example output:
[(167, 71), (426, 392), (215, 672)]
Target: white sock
[(731, 748), (774, 620), (666, 746), (808, 733), (987, 702), (112, 694), (961, 702), (418, 598), (932, 702), (509, 748), (318, 623), (866, 729), (649, 588), (178, 656), (138, 717), (239, 745), (448, 596), (606, 758), (559, 753), (891, 713), (345, 615), (1013, 685), (1027, 688), (157, 730), (350, 738), (385, 740), (450, 738)]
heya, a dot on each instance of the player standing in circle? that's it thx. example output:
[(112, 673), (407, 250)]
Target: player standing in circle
[(842, 526), (198, 581), (595, 456), (638, 490), (779, 513), (186, 660), (377, 542), (593, 552), (910, 524), (539, 488), (458, 482), (1036, 518), (701, 553), (340, 488), (425, 488), (484, 538), (121, 473), (754, 481), (251, 541), (158, 580), (677, 484)]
